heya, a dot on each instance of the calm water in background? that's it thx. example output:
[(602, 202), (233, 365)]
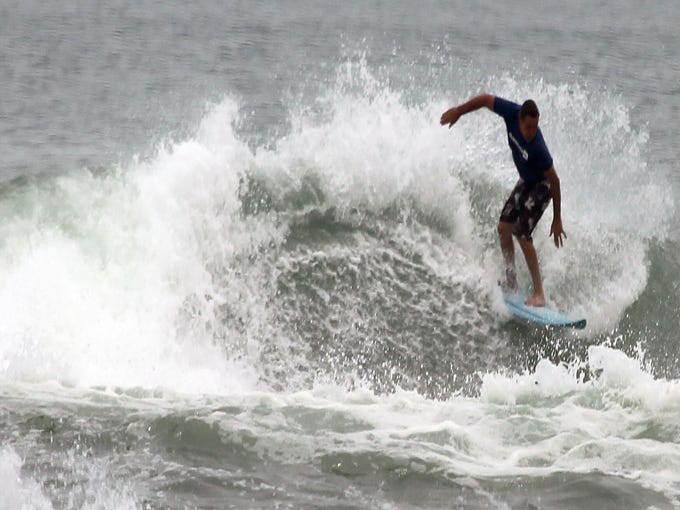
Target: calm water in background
[(243, 266)]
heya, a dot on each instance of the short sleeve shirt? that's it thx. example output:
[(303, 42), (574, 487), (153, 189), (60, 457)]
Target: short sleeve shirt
[(532, 159)]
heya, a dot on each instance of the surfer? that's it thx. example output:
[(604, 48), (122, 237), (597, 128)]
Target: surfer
[(538, 184)]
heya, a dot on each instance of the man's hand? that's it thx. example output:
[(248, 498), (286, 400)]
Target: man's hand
[(557, 232), (450, 116)]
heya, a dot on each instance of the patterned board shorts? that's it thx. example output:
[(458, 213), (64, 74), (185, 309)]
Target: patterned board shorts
[(525, 206)]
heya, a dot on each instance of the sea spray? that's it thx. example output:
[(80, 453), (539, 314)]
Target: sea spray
[(363, 242)]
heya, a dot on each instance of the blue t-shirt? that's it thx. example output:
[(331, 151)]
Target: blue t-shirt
[(532, 159)]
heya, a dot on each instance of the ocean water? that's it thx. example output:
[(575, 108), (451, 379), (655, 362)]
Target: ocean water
[(242, 265)]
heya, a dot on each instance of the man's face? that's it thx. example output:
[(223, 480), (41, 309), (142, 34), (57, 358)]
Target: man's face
[(528, 126)]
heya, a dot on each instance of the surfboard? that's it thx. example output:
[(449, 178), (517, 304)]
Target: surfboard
[(539, 315)]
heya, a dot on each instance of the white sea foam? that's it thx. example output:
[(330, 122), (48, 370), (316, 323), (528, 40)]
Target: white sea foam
[(20, 491), (540, 423), (105, 281), (16, 490)]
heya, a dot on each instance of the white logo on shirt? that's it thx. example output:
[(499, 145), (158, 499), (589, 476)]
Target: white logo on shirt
[(522, 151)]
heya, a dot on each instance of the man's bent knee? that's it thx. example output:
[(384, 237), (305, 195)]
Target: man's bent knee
[(505, 229)]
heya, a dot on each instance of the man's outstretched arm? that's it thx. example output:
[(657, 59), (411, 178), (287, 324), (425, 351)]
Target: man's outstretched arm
[(452, 115)]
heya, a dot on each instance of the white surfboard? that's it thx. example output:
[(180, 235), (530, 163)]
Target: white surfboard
[(539, 315)]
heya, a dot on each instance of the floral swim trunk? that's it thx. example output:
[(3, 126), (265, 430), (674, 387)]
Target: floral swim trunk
[(525, 207)]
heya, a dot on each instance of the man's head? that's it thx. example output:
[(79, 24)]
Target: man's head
[(528, 120)]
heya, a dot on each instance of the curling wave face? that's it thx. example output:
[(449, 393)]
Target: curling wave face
[(360, 247)]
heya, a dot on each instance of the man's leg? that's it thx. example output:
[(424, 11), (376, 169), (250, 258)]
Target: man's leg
[(508, 250), (537, 299)]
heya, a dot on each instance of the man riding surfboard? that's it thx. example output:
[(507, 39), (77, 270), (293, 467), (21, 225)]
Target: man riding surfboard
[(538, 184)]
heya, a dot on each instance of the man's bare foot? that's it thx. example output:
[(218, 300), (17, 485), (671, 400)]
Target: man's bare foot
[(535, 300)]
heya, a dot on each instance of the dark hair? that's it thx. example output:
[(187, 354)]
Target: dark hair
[(529, 108)]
